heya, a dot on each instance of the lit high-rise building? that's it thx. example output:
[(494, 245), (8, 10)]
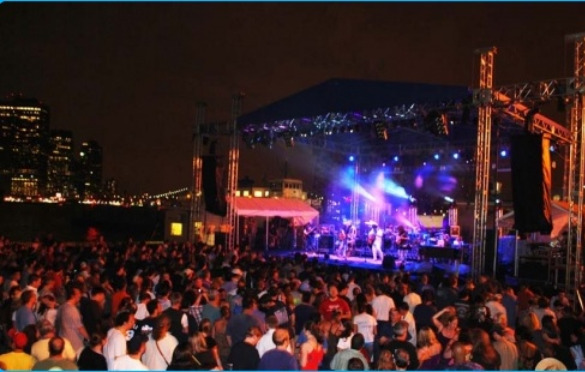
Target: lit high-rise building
[(24, 134), (90, 169), (60, 168)]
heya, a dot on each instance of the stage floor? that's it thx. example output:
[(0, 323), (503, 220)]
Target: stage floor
[(411, 266)]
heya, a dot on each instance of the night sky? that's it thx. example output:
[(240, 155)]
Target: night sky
[(130, 75)]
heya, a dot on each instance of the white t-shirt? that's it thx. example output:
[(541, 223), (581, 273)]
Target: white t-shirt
[(409, 318), (412, 299), (365, 325), (153, 359), (265, 343), (126, 363), (141, 311), (115, 347), (382, 305), (345, 342)]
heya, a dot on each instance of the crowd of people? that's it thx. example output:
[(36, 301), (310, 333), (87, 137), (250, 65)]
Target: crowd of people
[(171, 306)]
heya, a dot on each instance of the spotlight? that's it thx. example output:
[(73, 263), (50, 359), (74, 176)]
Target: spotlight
[(381, 130), (552, 148), (456, 155), (395, 158), (503, 153), (437, 156), (351, 158)]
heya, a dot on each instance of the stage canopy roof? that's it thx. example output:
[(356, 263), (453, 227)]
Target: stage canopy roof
[(301, 212), (351, 113), (353, 96)]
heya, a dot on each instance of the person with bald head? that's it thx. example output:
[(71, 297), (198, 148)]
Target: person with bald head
[(56, 360), (280, 358)]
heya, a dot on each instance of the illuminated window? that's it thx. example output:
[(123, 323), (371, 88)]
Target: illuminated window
[(176, 229)]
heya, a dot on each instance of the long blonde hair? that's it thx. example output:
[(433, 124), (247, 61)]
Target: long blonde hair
[(199, 342), (426, 337)]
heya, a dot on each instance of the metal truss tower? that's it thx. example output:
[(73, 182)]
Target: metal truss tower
[(483, 97), (510, 100), (197, 191), (576, 172), (233, 168)]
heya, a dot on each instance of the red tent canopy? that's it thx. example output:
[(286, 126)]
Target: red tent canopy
[(300, 211)]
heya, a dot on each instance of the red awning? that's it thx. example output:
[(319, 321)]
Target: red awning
[(299, 210)]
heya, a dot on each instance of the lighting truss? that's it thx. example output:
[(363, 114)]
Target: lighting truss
[(348, 122)]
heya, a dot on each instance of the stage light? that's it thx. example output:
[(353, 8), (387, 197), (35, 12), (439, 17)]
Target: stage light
[(351, 158), (437, 123), (552, 148), (437, 156), (395, 158), (448, 199), (456, 155), (381, 130), (503, 153)]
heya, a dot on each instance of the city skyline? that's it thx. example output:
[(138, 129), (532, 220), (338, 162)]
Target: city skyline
[(130, 75)]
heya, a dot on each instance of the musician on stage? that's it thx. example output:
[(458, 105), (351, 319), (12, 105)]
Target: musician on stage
[(350, 237), (401, 242), (309, 233), (375, 238)]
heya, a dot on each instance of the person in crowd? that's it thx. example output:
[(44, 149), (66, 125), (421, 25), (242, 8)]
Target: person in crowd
[(266, 343), (17, 359), (483, 352), (341, 358), (244, 355), (334, 304), (40, 349), (92, 310), (400, 341), (311, 351), (239, 324), (25, 314), (146, 325), (386, 361), (423, 313), (304, 312), (160, 345), (131, 361), (208, 343), (69, 323), (91, 357), (56, 360), (367, 325), (219, 334), (506, 349), (115, 346), (183, 359), (447, 325), (179, 321), (462, 357), (279, 358), (428, 349), (203, 352)]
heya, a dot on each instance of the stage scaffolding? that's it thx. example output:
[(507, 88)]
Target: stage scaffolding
[(510, 101)]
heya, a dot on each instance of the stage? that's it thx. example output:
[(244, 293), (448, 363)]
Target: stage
[(415, 267)]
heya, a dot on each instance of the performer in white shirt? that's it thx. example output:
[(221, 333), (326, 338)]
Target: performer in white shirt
[(375, 237)]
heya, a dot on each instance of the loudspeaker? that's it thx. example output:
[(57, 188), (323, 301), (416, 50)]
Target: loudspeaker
[(212, 185), (389, 262), (531, 183)]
